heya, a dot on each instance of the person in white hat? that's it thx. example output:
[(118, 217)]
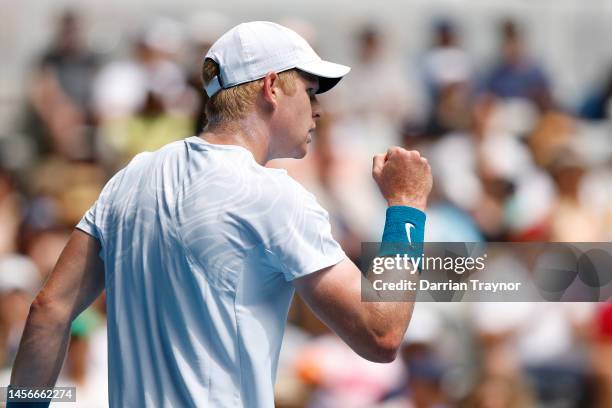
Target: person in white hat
[(201, 246)]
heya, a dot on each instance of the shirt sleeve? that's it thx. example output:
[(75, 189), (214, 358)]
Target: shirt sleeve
[(298, 234), (94, 219), (88, 224)]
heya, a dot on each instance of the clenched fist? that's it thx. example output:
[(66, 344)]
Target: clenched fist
[(404, 177)]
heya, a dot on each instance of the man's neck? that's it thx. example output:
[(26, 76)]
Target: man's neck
[(248, 133)]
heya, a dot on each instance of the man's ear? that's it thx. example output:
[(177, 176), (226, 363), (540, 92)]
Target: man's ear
[(270, 89)]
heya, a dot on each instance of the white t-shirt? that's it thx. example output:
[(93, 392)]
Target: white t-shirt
[(200, 245)]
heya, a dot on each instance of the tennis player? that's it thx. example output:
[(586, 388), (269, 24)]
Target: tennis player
[(200, 247)]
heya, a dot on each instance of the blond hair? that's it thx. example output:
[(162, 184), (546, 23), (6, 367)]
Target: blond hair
[(236, 102)]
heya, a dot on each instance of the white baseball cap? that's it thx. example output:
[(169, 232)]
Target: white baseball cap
[(249, 51)]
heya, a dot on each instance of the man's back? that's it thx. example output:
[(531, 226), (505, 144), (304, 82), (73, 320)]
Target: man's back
[(199, 242)]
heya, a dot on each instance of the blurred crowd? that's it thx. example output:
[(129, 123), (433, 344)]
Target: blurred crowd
[(510, 163)]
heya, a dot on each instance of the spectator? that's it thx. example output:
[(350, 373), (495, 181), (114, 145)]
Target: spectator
[(16, 293), (597, 105), (60, 93), (446, 62), (516, 75), (378, 87), (144, 103)]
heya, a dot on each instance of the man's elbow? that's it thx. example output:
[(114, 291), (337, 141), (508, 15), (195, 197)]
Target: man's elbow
[(383, 349), (48, 311)]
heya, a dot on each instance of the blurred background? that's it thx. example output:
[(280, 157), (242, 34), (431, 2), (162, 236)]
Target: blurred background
[(511, 101)]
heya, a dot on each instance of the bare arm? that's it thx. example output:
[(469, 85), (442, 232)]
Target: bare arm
[(374, 330), (76, 281)]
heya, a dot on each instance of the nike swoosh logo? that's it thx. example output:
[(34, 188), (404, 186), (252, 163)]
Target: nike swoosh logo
[(409, 226)]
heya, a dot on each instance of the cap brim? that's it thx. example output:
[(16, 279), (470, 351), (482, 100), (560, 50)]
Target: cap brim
[(329, 73)]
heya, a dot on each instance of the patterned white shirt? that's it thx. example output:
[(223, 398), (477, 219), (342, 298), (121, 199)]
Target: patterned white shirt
[(200, 244)]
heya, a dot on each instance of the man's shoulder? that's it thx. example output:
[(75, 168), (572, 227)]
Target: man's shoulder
[(286, 185), (276, 186)]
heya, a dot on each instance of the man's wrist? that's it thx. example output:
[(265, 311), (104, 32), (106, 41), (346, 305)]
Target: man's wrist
[(418, 204)]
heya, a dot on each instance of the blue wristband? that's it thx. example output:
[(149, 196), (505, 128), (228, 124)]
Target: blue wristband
[(404, 231)]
